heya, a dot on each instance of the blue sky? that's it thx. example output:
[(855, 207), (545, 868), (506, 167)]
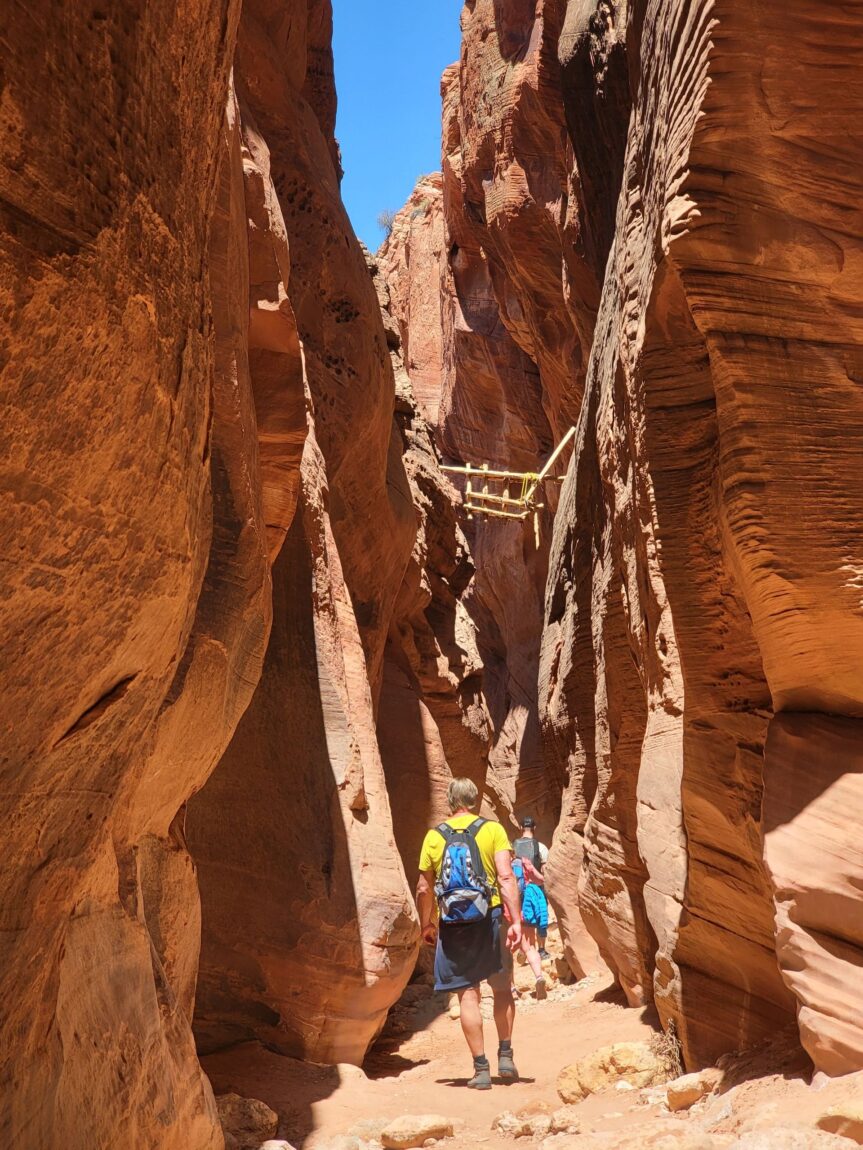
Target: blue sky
[(389, 56)]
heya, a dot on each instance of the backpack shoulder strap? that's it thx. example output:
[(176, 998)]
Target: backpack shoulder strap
[(468, 836), (446, 831)]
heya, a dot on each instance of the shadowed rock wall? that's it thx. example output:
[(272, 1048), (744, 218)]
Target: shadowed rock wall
[(137, 610)]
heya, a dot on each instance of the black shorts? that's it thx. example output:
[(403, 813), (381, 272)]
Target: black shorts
[(469, 954)]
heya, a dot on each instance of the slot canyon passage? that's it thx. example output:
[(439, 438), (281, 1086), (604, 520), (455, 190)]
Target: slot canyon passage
[(254, 623)]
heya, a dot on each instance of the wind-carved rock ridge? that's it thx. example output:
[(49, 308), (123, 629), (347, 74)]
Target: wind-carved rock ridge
[(675, 524)]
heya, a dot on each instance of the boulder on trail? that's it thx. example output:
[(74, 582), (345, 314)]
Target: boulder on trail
[(683, 1092), (414, 1129), (247, 1122), (633, 1062), (532, 1122)]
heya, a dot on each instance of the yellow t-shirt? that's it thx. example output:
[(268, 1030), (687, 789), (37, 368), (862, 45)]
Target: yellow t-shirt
[(490, 838)]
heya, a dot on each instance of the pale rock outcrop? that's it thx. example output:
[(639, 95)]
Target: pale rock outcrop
[(412, 260), (634, 1062)]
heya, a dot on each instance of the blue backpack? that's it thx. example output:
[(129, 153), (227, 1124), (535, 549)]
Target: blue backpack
[(463, 890)]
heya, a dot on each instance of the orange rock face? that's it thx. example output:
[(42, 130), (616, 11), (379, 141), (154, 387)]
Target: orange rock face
[(309, 931), (690, 589), (617, 226), (157, 411)]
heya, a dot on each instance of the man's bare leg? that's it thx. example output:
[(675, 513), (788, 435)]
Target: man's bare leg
[(471, 1019), (471, 1025)]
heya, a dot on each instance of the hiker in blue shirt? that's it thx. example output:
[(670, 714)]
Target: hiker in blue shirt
[(528, 846), (533, 896)]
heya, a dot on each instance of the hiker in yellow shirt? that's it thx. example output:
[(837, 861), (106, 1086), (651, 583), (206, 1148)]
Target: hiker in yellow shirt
[(466, 867)]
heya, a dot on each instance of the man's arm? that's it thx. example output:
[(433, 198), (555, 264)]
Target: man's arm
[(426, 906), (509, 893)]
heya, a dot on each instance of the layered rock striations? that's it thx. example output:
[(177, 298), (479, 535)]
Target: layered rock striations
[(623, 250), (159, 274), (136, 558), (695, 589), (229, 538)]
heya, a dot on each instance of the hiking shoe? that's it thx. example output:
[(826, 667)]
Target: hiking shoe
[(543, 953), (506, 1067), (540, 990), (481, 1078)]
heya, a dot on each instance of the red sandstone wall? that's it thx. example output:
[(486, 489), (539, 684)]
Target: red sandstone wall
[(703, 551)]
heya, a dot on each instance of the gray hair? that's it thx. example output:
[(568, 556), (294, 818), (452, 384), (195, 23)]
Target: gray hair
[(461, 794)]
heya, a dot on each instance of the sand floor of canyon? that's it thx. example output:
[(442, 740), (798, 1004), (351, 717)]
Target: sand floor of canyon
[(420, 1066)]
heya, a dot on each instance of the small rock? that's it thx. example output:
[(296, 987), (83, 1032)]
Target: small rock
[(349, 1073), (536, 1127), (634, 1061), (506, 1123), (685, 1091), (248, 1120), (532, 1122), (414, 1129), (273, 1144), (565, 1120), (845, 1119)]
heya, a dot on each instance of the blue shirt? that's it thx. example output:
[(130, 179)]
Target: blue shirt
[(534, 907)]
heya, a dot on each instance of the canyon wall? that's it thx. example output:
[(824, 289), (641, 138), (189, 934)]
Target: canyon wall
[(188, 331), (309, 931), (702, 589), (624, 251), (250, 631)]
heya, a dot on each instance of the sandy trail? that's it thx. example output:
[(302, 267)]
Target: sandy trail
[(420, 1065)]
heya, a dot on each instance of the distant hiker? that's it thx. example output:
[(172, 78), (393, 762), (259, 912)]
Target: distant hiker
[(528, 846), (466, 866), (534, 910)]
